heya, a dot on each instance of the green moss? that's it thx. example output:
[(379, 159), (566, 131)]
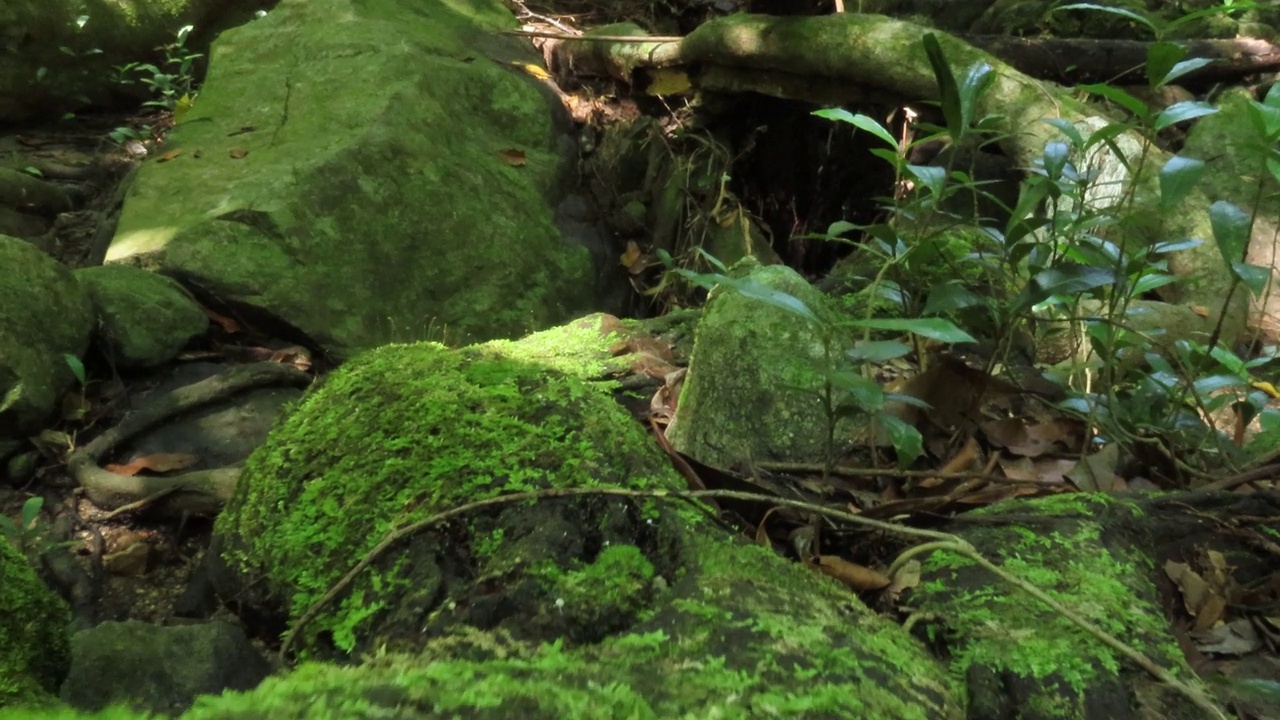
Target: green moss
[(993, 625), (34, 651), (401, 433)]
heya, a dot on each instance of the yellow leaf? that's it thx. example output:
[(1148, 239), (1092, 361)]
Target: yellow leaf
[(181, 107), (534, 70), (668, 81)]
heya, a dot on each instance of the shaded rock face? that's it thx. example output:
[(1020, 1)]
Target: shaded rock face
[(44, 315), (366, 173), (156, 668)]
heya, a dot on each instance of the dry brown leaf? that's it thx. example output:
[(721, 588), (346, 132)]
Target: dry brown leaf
[(1097, 472), (159, 462), (512, 156), (858, 577), (1049, 470), (228, 325), (169, 155), (236, 153), (631, 255), (907, 578)]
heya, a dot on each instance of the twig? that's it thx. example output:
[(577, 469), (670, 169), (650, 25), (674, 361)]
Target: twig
[(597, 38), (843, 471)]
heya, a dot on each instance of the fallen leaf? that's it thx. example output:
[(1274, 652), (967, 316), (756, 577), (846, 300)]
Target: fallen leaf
[(169, 155), (229, 326), (512, 157), (668, 81), (1097, 472), (630, 255), (237, 153), (159, 462), (858, 577)]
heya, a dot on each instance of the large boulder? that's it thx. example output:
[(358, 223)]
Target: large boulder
[(33, 633), (44, 316), (366, 173)]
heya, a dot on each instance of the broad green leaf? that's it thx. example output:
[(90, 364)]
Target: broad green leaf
[(774, 298), (1254, 277), (77, 367), (860, 121), (31, 511), (1214, 383), (1183, 68), (1161, 58), (878, 350), (1055, 159), (1170, 246), (1181, 112), (1266, 119), (1177, 178), (934, 178), (1272, 98), (938, 329), (1151, 281), (948, 91), (905, 439), (1230, 230), (866, 394), (1119, 97), (976, 81), (1122, 12), (948, 297), (1067, 128), (840, 227)]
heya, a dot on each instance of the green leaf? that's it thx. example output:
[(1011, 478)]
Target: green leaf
[(1266, 119), (934, 178), (77, 367), (1230, 230), (1067, 128), (774, 298), (1181, 112), (866, 394), (1254, 277), (878, 350), (1093, 7), (948, 91), (860, 121), (1183, 68), (1065, 279), (1151, 281), (1119, 97), (1161, 58), (948, 297), (31, 512), (977, 79), (905, 439), (1170, 246), (938, 329), (1055, 159), (1177, 178)]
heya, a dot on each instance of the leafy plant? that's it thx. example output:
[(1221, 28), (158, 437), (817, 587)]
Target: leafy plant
[(1064, 245), (847, 390), (28, 536), (173, 82)]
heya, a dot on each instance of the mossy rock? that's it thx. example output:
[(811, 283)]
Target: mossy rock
[(407, 431), (34, 652)]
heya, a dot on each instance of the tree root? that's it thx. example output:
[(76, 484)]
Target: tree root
[(202, 492)]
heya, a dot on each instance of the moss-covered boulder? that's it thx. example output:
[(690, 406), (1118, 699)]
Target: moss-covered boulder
[(590, 606), (44, 315), (34, 653), (144, 319), (368, 172), (1019, 655), (755, 382)]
